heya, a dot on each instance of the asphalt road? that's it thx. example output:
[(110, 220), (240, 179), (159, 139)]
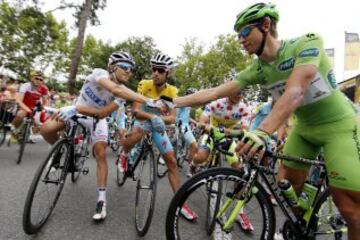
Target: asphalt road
[(72, 218)]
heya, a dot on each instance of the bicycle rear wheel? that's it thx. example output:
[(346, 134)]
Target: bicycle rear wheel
[(195, 193), (23, 139), (3, 132), (145, 192), (46, 187), (326, 221)]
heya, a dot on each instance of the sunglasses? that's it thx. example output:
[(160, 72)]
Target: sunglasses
[(125, 67), (39, 79), (245, 31), (159, 70)]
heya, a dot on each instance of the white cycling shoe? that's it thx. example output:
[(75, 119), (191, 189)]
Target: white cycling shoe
[(100, 212)]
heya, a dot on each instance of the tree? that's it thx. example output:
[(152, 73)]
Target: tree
[(30, 38), (87, 12), (204, 70)]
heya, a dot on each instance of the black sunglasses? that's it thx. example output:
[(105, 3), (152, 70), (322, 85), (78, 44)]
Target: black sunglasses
[(159, 70), (39, 79)]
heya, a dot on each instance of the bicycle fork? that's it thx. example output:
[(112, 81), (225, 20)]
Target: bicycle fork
[(227, 225)]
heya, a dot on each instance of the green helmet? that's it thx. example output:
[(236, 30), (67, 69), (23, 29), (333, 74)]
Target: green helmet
[(255, 12)]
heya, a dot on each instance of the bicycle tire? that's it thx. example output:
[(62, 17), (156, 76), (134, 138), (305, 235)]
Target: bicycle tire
[(320, 218), (224, 174), (214, 208), (3, 133), (22, 141), (147, 161), (162, 168), (45, 167)]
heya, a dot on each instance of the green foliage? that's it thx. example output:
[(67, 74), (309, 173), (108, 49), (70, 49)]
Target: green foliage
[(30, 38), (203, 70)]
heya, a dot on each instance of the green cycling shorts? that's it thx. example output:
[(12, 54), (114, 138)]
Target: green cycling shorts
[(340, 141)]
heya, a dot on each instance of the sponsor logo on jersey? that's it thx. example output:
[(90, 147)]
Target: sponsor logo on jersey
[(311, 52), (311, 37), (331, 78), (95, 98), (286, 65)]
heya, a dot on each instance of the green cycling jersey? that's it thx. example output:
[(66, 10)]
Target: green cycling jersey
[(323, 102)]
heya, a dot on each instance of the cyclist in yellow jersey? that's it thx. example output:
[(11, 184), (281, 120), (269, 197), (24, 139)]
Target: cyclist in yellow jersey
[(153, 121)]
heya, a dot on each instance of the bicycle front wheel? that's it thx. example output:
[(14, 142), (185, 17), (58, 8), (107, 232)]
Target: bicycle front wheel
[(145, 192), (195, 192), (23, 138), (326, 221), (46, 187)]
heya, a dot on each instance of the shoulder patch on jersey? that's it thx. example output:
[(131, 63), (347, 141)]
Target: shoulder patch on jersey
[(331, 78), (291, 41), (310, 52), (286, 64)]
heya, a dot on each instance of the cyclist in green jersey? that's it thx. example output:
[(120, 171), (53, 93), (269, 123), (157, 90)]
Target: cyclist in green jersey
[(298, 74)]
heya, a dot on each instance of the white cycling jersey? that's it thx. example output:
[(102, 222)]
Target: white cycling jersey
[(92, 94)]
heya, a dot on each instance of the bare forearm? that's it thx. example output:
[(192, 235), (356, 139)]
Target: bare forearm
[(100, 113), (169, 119), (207, 95), (127, 94), (142, 115)]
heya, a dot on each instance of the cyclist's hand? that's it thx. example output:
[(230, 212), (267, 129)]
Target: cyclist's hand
[(158, 124), (253, 143), (65, 113)]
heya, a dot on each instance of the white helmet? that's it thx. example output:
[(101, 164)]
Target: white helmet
[(117, 57), (162, 60)]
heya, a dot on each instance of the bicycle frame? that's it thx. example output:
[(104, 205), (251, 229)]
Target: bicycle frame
[(297, 224)]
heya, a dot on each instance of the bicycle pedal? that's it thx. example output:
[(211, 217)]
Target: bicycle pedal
[(85, 171)]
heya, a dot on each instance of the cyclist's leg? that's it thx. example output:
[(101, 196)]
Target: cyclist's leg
[(49, 130), (205, 148), (129, 140), (18, 118), (296, 172), (163, 143), (99, 138), (342, 159), (190, 142)]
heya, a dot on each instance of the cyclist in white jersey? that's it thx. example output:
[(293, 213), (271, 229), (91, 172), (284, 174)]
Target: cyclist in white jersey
[(102, 93)]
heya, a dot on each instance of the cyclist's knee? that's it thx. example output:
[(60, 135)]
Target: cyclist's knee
[(201, 156), (100, 151), (170, 160)]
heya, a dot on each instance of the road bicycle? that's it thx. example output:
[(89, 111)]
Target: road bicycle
[(67, 155), (24, 131), (240, 189), (142, 168)]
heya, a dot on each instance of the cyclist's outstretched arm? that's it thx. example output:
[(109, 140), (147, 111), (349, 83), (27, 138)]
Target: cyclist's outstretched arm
[(295, 89), (205, 96), (122, 91), (98, 112)]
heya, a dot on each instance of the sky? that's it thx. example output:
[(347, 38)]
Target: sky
[(171, 22)]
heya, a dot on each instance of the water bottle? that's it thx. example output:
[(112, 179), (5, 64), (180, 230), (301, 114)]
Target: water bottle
[(307, 196), (289, 192)]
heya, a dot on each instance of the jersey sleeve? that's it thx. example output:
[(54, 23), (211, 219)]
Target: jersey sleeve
[(208, 109), (141, 87), (250, 75), (97, 74), (308, 50)]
